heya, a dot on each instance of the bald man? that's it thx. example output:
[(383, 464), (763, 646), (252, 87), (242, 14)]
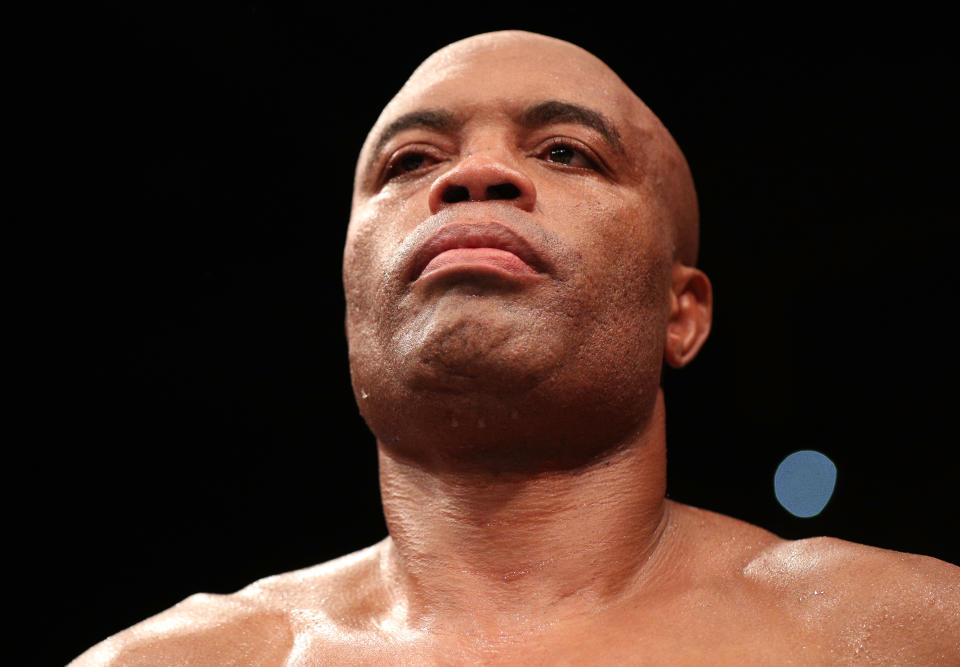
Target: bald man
[(520, 261)]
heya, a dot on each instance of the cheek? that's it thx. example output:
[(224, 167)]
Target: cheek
[(625, 247), (363, 277), (626, 276), (376, 230)]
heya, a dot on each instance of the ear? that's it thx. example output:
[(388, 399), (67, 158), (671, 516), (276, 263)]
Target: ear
[(691, 311)]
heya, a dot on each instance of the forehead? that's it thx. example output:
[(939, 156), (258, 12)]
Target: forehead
[(504, 74)]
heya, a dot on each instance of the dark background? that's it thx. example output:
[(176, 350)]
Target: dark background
[(199, 427)]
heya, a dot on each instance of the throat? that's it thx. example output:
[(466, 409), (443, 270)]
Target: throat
[(494, 554)]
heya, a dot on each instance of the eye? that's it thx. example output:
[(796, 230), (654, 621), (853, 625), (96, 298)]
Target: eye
[(561, 151), (408, 162)]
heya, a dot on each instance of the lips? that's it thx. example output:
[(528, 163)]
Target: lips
[(489, 244)]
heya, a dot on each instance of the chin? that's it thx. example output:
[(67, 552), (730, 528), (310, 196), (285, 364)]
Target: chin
[(479, 351), (446, 419), (480, 381)]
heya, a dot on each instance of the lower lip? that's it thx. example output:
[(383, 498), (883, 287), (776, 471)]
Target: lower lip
[(466, 258)]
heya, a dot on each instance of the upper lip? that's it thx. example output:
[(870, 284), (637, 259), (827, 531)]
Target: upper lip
[(489, 234)]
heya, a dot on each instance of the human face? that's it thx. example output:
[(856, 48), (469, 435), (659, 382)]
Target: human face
[(507, 265)]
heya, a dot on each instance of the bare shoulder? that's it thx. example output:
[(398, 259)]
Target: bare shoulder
[(870, 567), (257, 625), (877, 603), (846, 600), (203, 629), (767, 559), (862, 572)]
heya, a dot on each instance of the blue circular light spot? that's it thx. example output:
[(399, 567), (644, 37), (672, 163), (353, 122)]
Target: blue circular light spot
[(804, 482)]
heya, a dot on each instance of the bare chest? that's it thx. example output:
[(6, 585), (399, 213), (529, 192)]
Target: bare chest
[(690, 639)]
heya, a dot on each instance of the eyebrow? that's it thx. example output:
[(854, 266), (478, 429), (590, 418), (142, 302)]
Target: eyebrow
[(434, 119), (539, 115), (553, 111)]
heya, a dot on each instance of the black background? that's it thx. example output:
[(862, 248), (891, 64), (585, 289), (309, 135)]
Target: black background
[(198, 431)]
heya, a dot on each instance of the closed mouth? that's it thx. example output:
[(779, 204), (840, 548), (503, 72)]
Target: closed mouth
[(486, 235)]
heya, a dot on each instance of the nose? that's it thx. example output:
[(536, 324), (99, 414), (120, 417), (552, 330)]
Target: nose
[(483, 177)]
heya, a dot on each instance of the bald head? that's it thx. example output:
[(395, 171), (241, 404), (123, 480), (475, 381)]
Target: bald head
[(617, 111)]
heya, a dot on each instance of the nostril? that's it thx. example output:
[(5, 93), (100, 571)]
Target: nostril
[(503, 191), (456, 193)]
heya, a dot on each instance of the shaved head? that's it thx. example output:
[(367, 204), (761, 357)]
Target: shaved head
[(651, 144)]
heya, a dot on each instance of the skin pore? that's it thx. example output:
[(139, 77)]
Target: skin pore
[(520, 263)]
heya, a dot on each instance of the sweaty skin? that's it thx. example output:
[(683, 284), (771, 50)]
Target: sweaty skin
[(519, 264)]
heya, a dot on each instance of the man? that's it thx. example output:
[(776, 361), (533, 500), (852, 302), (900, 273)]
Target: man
[(519, 264)]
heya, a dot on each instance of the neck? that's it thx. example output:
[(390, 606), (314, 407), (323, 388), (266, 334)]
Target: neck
[(496, 553)]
